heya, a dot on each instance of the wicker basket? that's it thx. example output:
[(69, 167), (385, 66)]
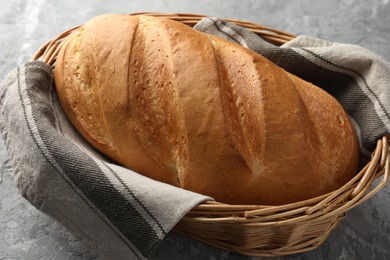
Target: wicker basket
[(257, 230)]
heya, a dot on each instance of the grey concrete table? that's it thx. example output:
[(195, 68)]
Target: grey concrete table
[(26, 233)]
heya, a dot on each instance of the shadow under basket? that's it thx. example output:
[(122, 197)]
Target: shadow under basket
[(256, 230)]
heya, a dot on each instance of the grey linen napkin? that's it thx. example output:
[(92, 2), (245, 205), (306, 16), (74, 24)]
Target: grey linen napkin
[(120, 214), (358, 78)]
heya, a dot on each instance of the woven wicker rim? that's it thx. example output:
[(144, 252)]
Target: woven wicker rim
[(210, 216)]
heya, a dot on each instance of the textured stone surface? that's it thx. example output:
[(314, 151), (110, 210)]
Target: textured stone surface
[(26, 233)]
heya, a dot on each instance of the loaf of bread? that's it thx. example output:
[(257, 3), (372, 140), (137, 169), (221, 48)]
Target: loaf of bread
[(201, 113)]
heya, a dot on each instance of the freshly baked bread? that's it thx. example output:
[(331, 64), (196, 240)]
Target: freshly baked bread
[(202, 113)]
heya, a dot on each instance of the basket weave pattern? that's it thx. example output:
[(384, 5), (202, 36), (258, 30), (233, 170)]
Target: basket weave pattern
[(257, 230)]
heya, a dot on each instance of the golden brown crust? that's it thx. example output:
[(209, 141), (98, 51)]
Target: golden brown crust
[(198, 112)]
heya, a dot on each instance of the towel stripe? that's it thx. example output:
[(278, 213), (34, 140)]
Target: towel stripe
[(83, 172), (31, 127)]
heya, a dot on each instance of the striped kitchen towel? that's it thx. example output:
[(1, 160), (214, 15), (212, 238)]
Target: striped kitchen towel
[(358, 78), (118, 213)]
